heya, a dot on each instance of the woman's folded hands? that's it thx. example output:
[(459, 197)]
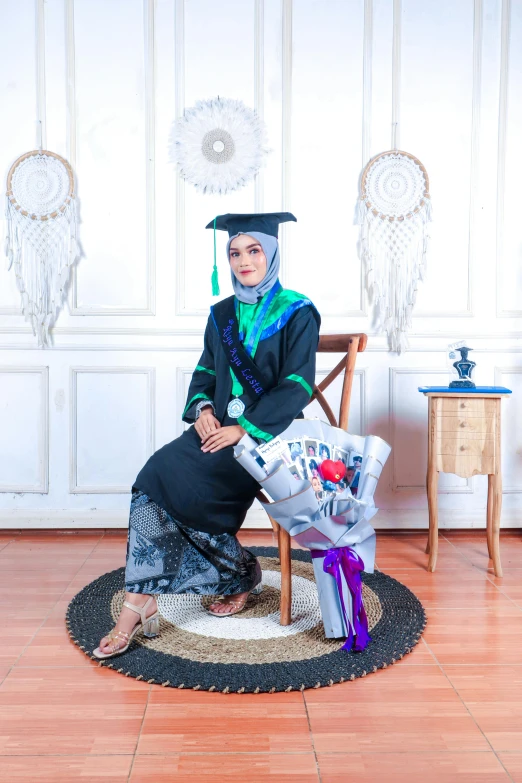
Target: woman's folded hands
[(213, 436)]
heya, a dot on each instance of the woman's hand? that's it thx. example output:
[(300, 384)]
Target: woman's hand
[(226, 436), (206, 423)]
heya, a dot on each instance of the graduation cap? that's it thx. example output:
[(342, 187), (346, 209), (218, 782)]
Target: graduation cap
[(235, 223), (265, 222)]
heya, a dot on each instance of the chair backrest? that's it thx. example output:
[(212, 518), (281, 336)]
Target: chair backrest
[(338, 343)]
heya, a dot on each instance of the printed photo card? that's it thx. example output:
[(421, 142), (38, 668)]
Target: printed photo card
[(311, 447), (354, 471), (312, 467), (341, 454), (324, 451), (295, 472), (296, 449), (304, 457)]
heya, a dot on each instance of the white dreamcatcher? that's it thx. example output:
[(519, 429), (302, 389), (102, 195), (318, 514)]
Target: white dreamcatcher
[(394, 211), (41, 239), (219, 145)]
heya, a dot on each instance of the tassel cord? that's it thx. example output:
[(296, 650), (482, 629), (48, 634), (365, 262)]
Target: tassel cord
[(215, 280)]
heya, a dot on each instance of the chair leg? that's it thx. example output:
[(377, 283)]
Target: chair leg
[(275, 525), (286, 577), (275, 529)]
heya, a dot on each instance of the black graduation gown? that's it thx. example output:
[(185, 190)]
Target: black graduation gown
[(212, 492)]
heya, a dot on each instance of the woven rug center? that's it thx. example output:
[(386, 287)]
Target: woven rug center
[(190, 631)]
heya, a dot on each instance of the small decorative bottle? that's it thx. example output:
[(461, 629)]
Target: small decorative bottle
[(464, 368)]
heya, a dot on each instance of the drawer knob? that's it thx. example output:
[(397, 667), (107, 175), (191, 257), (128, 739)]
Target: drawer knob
[(463, 448), (462, 404)]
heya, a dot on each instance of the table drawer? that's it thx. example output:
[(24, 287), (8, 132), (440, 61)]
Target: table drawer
[(457, 424), (465, 466), (466, 406), (482, 445)]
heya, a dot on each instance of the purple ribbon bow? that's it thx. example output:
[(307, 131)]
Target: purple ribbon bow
[(345, 559)]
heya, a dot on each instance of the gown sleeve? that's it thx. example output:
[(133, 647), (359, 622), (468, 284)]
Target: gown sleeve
[(276, 409), (203, 383)]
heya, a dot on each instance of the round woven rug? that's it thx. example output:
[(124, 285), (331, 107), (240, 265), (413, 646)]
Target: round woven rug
[(250, 652)]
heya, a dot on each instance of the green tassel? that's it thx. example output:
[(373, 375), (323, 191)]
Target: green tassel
[(215, 281)]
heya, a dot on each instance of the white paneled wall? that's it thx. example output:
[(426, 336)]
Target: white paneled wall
[(336, 81)]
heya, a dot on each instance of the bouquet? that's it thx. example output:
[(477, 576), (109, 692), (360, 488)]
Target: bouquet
[(322, 480)]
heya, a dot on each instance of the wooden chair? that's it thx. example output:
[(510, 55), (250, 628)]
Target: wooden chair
[(352, 344)]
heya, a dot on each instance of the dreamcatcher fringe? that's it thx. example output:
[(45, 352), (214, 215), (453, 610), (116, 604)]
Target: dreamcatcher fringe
[(392, 272), (42, 252)]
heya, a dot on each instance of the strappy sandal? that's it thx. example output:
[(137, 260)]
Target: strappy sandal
[(237, 606), (149, 626)]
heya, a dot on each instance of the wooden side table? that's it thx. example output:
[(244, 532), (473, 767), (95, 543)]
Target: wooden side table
[(464, 439)]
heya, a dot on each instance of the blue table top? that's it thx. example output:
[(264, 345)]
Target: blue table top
[(466, 390)]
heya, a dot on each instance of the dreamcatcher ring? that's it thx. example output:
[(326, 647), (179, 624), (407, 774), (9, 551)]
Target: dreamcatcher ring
[(41, 239), (394, 211), (12, 198), (364, 191)]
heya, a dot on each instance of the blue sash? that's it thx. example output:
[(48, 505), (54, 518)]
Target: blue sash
[(252, 379)]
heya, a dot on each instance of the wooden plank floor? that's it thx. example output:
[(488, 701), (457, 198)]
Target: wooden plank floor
[(450, 712)]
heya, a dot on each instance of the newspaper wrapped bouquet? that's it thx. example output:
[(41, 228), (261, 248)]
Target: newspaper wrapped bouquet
[(322, 481)]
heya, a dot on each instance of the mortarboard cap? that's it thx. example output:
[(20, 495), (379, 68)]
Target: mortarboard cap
[(234, 223), (266, 222)]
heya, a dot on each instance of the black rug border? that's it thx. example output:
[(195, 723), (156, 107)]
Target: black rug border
[(394, 636)]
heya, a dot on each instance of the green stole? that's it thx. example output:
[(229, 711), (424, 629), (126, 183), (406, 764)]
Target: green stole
[(259, 321)]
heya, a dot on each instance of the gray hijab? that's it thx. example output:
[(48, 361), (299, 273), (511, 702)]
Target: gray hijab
[(252, 294)]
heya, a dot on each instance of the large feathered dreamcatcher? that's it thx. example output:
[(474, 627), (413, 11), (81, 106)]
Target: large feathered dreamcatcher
[(219, 145), (41, 234), (394, 212)]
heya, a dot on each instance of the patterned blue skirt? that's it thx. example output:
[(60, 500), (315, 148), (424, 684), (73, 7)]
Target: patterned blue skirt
[(164, 556)]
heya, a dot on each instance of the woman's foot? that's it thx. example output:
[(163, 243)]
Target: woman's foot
[(229, 604), (127, 620)]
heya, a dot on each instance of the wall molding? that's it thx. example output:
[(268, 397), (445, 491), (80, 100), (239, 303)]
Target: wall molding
[(499, 373), (179, 107), (478, 15), (150, 373), (181, 374), (41, 104), (503, 114), (361, 372), (286, 138), (259, 91), (43, 435), (286, 127), (199, 332), (396, 73), (366, 142), (180, 307), (149, 157), (428, 348), (367, 84), (41, 114), (386, 519), (416, 488)]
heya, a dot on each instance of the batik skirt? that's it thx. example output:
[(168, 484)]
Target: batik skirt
[(164, 556)]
